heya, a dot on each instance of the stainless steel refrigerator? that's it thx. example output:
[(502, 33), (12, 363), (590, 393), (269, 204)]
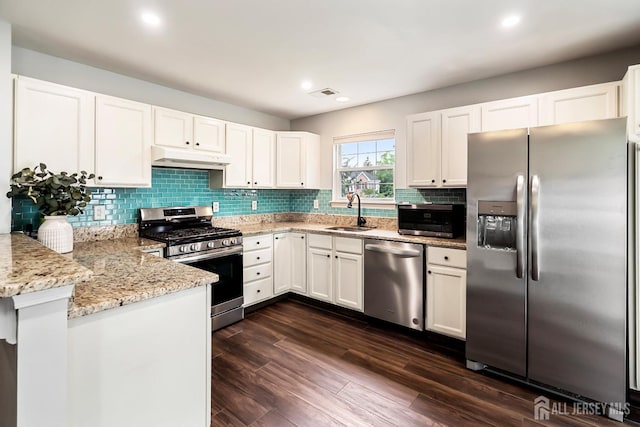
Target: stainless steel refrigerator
[(546, 256)]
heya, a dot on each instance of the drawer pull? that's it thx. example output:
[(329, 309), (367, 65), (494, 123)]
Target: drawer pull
[(258, 291), (257, 257), (446, 258), (428, 271), (257, 243), (258, 273)]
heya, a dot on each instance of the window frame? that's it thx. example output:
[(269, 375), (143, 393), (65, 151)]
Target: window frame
[(336, 199)]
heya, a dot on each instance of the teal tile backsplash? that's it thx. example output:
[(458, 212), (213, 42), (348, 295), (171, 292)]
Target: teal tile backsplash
[(188, 187)]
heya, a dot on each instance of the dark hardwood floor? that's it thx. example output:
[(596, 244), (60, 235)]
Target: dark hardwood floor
[(290, 364)]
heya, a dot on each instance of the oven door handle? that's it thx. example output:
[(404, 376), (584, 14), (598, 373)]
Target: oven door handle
[(210, 255)]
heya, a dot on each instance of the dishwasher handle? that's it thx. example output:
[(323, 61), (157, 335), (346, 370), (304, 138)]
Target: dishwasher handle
[(391, 250)]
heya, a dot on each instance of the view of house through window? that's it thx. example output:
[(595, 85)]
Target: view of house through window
[(365, 164)]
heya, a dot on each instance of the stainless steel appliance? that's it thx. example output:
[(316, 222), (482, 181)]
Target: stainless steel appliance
[(192, 239), (394, 282), (546, 257), (435, 220)]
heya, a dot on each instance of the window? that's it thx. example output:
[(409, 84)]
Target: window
[(365, 164)]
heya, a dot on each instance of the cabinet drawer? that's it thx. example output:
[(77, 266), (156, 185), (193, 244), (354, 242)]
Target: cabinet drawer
[(444, 256), (256, 272), (344, 244), (257, 242), (257, 291), (260, 256), (322, 241)]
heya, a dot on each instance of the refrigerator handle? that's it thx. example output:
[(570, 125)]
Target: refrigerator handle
[(520, 189), (534, 227)]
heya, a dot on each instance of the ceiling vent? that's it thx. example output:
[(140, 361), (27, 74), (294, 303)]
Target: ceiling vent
[(322, 93)]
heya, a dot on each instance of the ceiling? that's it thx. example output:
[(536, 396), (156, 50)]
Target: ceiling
[(256, 53)]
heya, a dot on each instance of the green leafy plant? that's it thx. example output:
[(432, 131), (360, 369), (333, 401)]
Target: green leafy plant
[(53, 194)]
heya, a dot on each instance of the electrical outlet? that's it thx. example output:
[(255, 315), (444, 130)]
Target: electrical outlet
[(99, 212), (316, 205), (216, 207), (254, 205)]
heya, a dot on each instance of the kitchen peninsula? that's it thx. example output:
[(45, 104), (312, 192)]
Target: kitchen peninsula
[(107, 335)]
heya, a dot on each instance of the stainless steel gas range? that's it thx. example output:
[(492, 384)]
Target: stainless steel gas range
[(191, 239)]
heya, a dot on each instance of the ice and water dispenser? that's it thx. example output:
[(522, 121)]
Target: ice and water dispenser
[(497, 225)]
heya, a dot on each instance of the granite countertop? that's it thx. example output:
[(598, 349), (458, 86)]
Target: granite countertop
[(106, 273), (27, 266), (380, 234), (123, 274)]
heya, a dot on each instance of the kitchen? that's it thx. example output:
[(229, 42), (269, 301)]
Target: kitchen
[(179, 187)]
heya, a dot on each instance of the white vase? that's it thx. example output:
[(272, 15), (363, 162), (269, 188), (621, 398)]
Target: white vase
[(56, 233)]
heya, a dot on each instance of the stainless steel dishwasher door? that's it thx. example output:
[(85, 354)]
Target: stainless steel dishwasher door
[(394, 282)]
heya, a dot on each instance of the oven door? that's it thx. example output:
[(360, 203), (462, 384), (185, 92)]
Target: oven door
[(227, 264)]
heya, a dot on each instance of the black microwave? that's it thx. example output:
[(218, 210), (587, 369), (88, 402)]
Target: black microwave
[(442, 220)]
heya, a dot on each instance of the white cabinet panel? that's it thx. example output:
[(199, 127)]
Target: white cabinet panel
[(264, 160), (423, 150), (320, 274), (298, 263), (514, 113), (256, 291), (282, 271), (456, 124), (122, 143), (297, 155), (447, 257), (54, 125), (580, 104), (260, 256), (446, 300), (630, 101), (239, 147), (257, 242), (208, 134), (172, 128), (323, 241), (349, 279)]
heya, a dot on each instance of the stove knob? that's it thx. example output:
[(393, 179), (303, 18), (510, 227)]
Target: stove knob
[(234, 241), (183, 248), (225, 242), (193, 247), (211, 245)]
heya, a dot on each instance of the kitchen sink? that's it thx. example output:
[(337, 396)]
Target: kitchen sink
[(341, 228)]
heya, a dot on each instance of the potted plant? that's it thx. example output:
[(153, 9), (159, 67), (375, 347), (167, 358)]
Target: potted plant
[(56, 196)]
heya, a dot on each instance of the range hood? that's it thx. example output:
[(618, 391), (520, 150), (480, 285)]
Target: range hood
[(178, 158)]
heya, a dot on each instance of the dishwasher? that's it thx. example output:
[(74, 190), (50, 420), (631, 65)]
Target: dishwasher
[(394, 282)]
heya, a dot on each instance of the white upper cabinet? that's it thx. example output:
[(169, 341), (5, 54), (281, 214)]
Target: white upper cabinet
[(514, 113), (122, 143), (437, 146), (580, 104), (630, 101), (456, 124), (423, 150), (264, 158), (297, 160), (239, 147), (183, 130), (208, 134), (54, 125)]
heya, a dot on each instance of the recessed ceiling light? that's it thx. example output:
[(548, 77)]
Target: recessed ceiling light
[(150, 19), (306, 85), (343, 99), (510, 21)]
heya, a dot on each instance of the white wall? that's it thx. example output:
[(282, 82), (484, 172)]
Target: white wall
[(390, 114), (46, 67), (6, 124)]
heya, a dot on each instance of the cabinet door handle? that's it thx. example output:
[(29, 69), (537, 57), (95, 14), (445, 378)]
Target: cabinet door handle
[(336, 256), (187, 142), (428, 271), (197, 144), (433, 181), (446, 258), (258, 273), (258, 257), (444, 180), (100, 178), (258, 291), (248, 182), (328, 256), (257, 243), (255, 183), (302, 237), (302, 183)]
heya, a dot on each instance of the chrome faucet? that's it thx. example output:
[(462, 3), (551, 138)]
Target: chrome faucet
[(350, 196)]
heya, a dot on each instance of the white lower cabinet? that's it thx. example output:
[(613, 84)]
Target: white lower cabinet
[(257, 268), (335, 270), (446, 299), (290, 263)]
